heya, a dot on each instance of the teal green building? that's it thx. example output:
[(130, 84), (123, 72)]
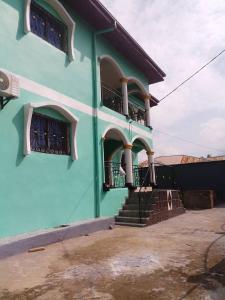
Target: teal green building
[(75, 112)]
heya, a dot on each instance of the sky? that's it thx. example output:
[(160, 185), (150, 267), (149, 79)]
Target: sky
[(181, 36)]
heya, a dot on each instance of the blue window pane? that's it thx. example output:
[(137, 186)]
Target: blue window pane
[(46, 26), (53, 36), (38, 133), (49, 135), (57, 135), (37, 24)]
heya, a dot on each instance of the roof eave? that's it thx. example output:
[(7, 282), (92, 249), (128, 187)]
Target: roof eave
[(99, 17)]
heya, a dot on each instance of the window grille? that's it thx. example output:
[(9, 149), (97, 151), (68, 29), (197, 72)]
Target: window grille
[(47, 27), (48, 135)]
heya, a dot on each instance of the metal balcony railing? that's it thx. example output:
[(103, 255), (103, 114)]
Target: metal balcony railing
[(139, 177), (136, 113), (114, 175), (112, 99)]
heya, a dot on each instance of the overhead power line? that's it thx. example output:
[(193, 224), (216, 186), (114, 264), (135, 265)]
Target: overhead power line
[(190, 77), (190, 142)]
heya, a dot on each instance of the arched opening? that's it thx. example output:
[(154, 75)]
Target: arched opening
[(136, 104), (28, 113), (114, 161), (111, 75), (142, 168)]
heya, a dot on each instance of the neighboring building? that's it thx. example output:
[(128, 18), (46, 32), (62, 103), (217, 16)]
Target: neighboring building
[(181, 159), (78, 115), (176, 159), (213, 158)]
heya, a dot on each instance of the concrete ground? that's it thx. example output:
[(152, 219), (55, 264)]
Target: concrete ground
[(181, 258)]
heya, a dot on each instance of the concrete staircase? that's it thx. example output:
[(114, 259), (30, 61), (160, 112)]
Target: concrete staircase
[(149, 207)]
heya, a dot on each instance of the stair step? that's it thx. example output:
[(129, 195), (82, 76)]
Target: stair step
[(142, 200), (131, 195), (134, 213), (131, 220), (130, 224), (136, 206), (143, 189)]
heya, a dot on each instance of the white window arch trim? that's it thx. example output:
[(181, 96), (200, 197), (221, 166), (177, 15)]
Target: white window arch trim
[(28, 112), (62, 12)]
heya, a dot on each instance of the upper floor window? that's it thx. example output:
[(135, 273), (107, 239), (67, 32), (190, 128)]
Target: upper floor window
[(48, 27), (49, 135)]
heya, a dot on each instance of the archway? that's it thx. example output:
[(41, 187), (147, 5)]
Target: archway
[(143, 165), (136, 100), (114, 142), (111, 75)]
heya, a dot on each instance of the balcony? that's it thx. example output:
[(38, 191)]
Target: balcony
[(115, 176), (112, 99), (136, 113), (124, 94)]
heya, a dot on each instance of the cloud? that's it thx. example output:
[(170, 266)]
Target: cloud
[(181, 36), (213, 133)]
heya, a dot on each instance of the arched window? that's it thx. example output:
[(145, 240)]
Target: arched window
[(49, 135), (59, 33), (46, 134)]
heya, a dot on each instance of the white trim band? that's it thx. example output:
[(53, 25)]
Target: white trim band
[(60, 98)]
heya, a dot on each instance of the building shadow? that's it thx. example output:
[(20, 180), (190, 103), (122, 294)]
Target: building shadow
[(19, 127)]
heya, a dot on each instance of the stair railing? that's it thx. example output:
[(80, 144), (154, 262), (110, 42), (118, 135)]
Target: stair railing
[(176, 184), (176, 181), (139, 193)]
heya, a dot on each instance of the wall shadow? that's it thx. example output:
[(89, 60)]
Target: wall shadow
[(18, 123), (70, 162)]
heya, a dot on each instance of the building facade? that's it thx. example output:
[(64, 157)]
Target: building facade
[(75, 111)]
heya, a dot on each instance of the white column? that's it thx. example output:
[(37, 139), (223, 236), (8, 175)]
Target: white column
[(110, 170), (124, 96), (147, 110), (152, 167), (129, 164)]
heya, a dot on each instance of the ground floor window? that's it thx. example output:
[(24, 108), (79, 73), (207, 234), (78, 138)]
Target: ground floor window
[(49, 135)]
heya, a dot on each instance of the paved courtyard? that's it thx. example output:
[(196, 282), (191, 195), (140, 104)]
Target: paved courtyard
[(181, 258)]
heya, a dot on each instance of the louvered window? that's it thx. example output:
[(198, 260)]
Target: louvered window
[(49, 135), (47, 27)]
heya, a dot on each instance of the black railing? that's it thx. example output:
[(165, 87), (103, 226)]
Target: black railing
[(114, 175), (112, 99), (136, 113), (167, 177), (139, 177), (142, 201)]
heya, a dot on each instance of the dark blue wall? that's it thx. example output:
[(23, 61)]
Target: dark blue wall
[(194, 176)]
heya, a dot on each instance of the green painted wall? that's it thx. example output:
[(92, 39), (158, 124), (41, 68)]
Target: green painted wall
[(42, 190)]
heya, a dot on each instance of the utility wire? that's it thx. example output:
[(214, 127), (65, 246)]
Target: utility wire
[(190, 142), (190, 77)]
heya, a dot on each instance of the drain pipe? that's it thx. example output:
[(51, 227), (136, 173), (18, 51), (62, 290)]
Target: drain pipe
[(95, 116)]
